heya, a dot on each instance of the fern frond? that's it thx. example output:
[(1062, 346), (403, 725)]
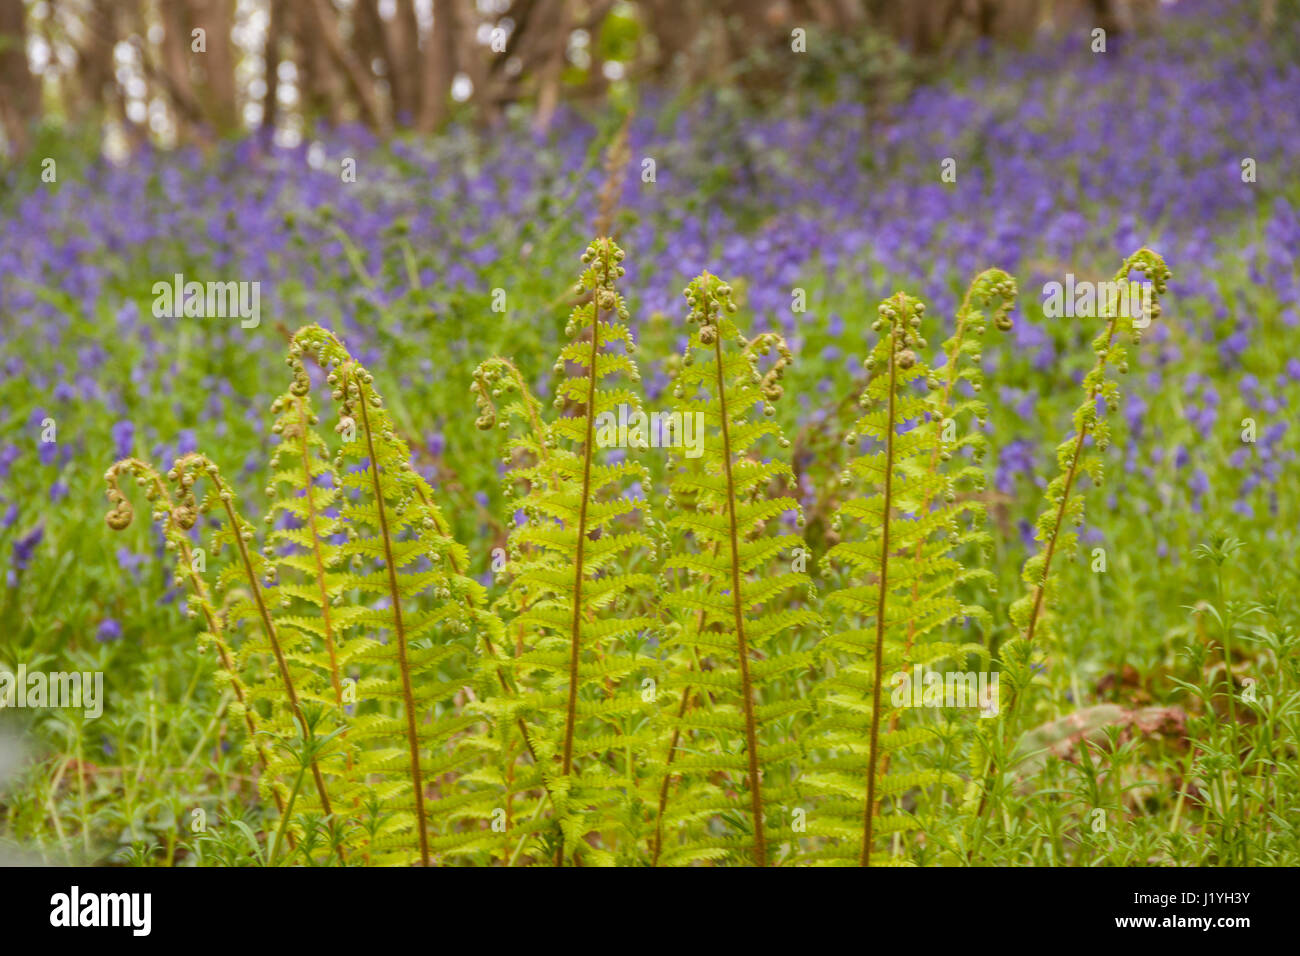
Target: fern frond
[(1102, 395), (397, 555), (991, 291), (909, 526), (290, 686), (1030, 614), (571, 583), (728, 651), (176, 523)]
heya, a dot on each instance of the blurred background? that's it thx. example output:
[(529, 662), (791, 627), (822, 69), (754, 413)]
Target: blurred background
[(123, 70)]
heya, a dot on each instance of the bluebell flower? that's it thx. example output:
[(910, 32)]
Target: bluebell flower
[(24, 549), (123, 433), (1016, 458)]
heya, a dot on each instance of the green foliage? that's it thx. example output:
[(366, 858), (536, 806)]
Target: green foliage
[(991, 291), (1073, 457), (346, 646), (675, 691), (1030, 615), (579, 656), (899, 580), (412, 613), (737, 672)]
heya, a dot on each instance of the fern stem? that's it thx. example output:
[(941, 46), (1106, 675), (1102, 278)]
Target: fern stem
[(1040, 590), (578, 570), (950, 380), (873, 757), (284, 817), (316, 553), (399, 631), (274, 639), (588, 451), (738, 612)]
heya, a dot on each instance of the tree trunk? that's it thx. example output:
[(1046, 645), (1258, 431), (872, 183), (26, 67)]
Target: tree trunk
[(370, 46), (554, 25), (219, 97), (176, 63), (404, 44), (271, 57), (20, 101), (318, 94), (358, 78), (440, 61)]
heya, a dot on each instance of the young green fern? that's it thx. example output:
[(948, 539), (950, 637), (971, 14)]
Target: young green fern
[(411, 613), (396, 719), (528, 450), (307, 552), (1030, 614), (571, 584), (271, 666), (348, 645), (911, 528), (176, 523), (1073, 459), (991, 292), (730, 662)]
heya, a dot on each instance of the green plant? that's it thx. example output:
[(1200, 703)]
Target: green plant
[(642, 690), (735, 669), (387, 605), (578, 650), (1031, 613), (900, 578)]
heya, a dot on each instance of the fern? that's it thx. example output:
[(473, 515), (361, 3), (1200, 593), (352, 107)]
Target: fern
[(495, 379), (1031, 613), (570, 583), (991, 291), (406, 646), (176, 523), (735, 676), (274, 655), (606, 710), (398, 556), (910, 524), (1072, 457)]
